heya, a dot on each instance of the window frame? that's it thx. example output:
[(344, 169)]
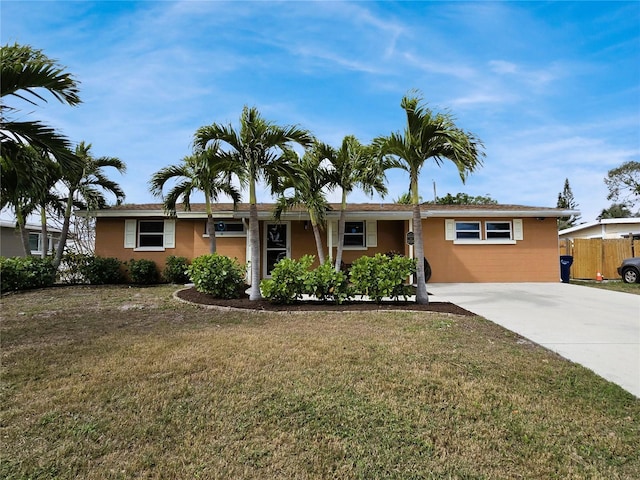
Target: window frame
[(490, 234), (132, 234), (38, 251), (458, 231), (141, 234), (363, 234), (242, 233), (485, 236), (38, 248)]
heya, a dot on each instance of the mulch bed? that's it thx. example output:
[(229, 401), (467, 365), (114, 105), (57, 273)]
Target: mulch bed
[(192, 295)]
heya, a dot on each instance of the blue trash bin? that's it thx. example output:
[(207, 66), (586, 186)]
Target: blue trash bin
[(565, 267)]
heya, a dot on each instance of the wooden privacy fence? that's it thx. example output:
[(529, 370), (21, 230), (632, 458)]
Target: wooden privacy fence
[(593, 255)]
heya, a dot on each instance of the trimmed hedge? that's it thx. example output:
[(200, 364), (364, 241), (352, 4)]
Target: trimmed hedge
[(175, 270), (287, 282), (328, 285), (143, 272), (102, 270), (381, 276), (22, 273), (217, 275)]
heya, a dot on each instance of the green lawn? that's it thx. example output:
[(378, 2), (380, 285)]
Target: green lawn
[(615, 285), (120, 382)]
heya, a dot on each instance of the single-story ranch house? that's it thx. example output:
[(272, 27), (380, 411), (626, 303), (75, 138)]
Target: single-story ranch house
[(462, 243), (604, 228), (11, 241)]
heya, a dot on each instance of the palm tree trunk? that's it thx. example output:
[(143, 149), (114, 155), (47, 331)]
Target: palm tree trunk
[(318, 237), (254, 242), (341, 224), (43, 229), (422, 296), (65, 231), (211, 229), (24, 233)]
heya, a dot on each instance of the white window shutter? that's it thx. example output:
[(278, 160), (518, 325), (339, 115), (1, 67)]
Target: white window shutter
[(449, 229), (372, 233), (518, 234), (129, 233), (334, 233), (169, 234)]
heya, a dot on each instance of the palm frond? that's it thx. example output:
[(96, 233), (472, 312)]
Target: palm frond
[(25, 69)]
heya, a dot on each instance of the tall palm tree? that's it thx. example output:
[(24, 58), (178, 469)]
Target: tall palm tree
[(353, 165), (260, 150), (47, 198), (26, 71), (25, 194), (308, 185), (204, 171), (87, 187), (429, 136)]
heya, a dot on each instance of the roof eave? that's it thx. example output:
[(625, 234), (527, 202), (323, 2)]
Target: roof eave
[(535, 213)]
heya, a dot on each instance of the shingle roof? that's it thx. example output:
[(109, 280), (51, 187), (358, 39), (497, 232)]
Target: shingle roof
[(368, 209)]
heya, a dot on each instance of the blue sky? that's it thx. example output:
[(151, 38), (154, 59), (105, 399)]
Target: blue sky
[(552, 88)]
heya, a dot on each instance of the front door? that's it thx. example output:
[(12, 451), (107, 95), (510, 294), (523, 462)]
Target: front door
[(277, 240)]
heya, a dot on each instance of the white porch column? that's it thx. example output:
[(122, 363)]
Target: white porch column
[(411, 254), (330, 240)]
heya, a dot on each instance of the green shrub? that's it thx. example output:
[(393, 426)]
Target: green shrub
[(328, 285), (217, 275), (143, 272), (380, 276), (102, 270), (287, 283), (175, 270), (21, 273)]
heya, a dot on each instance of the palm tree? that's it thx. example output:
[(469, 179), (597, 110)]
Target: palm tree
[(405, 199), (25, 71), (86, 187), (203, 171), (26, 194), (260, 150), (353, 165), (434, 136), (308, 184), (47, 198)]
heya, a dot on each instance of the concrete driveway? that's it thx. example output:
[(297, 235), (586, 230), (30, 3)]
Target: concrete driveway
[(596, 328)]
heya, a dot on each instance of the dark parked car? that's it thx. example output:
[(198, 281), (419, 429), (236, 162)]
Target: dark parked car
[(630, 270)]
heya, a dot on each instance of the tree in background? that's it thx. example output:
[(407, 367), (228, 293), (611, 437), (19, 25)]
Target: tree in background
[(307, 187), (428, 136), (261, 151), (86, 188), (353, 165), (617, 210), (29, 195), (405, 199), (465, 199), (206, 171), (623, 183), (566, 201)]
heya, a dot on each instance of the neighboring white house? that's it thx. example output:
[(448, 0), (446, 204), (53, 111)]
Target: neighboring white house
[(604, 228), (11, 243)]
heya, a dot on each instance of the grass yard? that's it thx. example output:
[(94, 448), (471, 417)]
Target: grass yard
[(117, 382), (615, 285)]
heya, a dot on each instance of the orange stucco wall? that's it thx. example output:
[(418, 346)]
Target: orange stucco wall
[(534, 259), (189, 241), (303, 241), (391, 235)]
